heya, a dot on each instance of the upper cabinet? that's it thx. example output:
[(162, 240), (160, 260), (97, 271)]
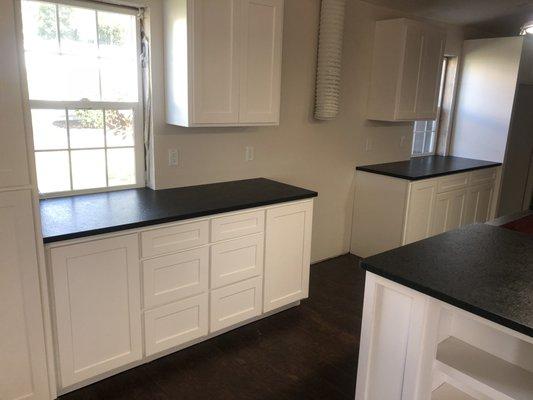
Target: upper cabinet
[(406, 71), (223, 62)]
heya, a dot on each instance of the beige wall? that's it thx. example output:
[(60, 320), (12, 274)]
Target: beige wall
[(317, 155)]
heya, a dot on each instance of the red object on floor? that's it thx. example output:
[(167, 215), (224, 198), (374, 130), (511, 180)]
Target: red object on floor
[(524, 224)]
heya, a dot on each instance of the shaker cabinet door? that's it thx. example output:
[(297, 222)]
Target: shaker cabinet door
[(261, 33), (448, 211), (98, 306), (287, 254)]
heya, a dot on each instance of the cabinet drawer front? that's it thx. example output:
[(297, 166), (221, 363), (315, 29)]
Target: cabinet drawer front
[(482, 176), (452, 182), (176, 323), (175, 238), (236, 303), (237, 225), (176, 276), (236, 260)]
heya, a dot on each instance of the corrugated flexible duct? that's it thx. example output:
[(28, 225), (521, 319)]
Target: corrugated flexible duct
[(328, 80)]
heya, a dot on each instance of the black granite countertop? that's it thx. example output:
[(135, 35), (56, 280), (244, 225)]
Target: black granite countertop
[(483, 269), (427, 167), (93, 214)]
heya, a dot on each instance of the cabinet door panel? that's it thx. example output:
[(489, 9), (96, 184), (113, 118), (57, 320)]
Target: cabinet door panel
[(261, 36), (406, 108), (97, 302), (448, 211), (419, 211), (215, 71), (478, 204), (23, 370), (430, 74), (287, 254)]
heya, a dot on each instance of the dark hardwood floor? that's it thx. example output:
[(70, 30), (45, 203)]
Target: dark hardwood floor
[(307, 352)]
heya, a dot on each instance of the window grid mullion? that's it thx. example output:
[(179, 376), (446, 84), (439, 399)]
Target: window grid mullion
[(105, 150), (69, 152)]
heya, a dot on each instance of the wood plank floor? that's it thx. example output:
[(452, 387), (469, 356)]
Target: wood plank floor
[(307, 352)]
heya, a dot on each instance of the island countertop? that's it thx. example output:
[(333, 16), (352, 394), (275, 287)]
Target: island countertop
[(78, 216), (483, 269), (427, 167)]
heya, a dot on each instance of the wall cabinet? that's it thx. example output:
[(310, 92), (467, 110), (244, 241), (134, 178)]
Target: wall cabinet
[(23, 369), (406, 71), (198, 278), (223, 62), (391, 212)]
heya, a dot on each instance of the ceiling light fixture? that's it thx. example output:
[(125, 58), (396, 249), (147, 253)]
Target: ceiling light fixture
[(527, 29)]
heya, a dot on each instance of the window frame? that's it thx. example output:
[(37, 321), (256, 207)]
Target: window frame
[(136, 107)]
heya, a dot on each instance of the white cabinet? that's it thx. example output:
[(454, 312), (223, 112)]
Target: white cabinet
[(406, 71), (223, 62), (391, 212), (97, 305), (287, 254), (23, 369), (448, 211), (198, 278)]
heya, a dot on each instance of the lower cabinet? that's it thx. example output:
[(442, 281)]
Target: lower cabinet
[(195, 278), (478, 204), (448, 210), (23, 368), (287, 254), (97, 302)]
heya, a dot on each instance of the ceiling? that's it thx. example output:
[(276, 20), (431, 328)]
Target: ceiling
[(501, 17)]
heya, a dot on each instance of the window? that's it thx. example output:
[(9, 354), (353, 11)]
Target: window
[(83, 75), (425, 132)]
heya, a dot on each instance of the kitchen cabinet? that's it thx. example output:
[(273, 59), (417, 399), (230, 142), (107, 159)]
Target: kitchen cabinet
[(23, 367), (390, 212), (197, 278), (97, 302), (223, 62), (406, 71), (287, 254)]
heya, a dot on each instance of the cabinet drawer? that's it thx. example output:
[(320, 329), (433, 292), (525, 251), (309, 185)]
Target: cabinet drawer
[(452, 182), (174, 238), (482, 176), (176, 276), (236, 303), (237, 225), (236, 260), (176, 323)]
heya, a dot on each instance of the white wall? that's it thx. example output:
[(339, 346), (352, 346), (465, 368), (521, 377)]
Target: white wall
[(317, 155), (486, 94)]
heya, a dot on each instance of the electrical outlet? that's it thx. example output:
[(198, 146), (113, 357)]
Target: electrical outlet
[(403, 141), (368, 145), (173, 157), (249, 153)]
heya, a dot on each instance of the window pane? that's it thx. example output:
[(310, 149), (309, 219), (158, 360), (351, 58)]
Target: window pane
[(119, 128), (119, 80), (49, 129), (121, 166), (116, 34), (418, 143), (77, 30), (80, 75), (88, 169), (45, 76), (86, 128), (53, 173), (430, 138), (40, 26)]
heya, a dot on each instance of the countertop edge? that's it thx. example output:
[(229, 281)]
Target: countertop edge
[(157, 221), (498, 319), (419, 178)]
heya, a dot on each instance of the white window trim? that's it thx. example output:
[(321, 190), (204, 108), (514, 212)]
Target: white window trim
[(137, 107)]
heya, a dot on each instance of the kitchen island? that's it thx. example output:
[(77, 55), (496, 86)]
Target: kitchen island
[(449, 318)]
